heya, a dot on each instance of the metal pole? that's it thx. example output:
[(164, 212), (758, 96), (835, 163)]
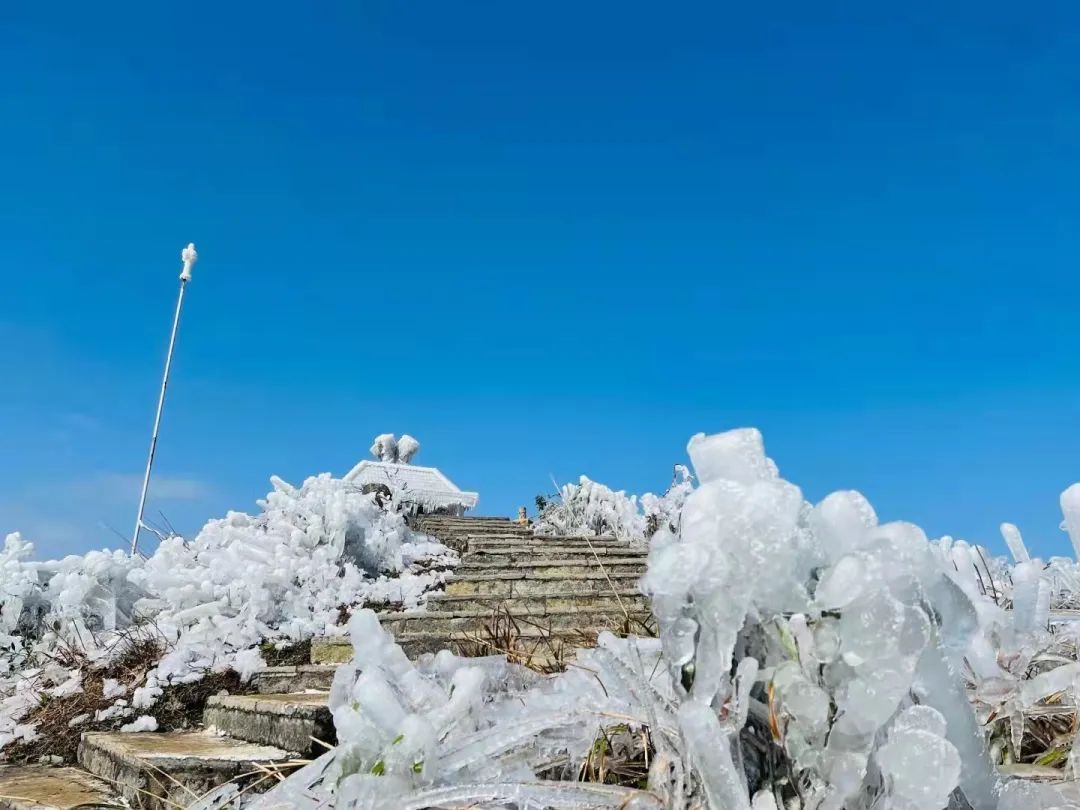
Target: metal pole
[(189, 256)]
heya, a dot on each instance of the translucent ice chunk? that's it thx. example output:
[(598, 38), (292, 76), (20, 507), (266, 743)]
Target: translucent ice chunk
[(840, 522), (842, 584), (1015, 542), (1027, 578), (920, 767), (737, 455), (1070, 508)]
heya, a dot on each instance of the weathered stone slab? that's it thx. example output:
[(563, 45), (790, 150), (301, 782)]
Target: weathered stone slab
[(164, 771), (304, 678), (616, 565), (331, 651), (570, 544), (607, 620), (541, 603), (539, 555), (553, 546), (519, 585), (292, 722), (39, 787)]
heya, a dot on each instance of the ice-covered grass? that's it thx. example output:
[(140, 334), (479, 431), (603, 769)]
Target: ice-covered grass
[(810, 657), (591, 508), (282, 575)]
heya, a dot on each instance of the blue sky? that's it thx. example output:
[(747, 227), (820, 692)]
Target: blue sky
[(546, 240)]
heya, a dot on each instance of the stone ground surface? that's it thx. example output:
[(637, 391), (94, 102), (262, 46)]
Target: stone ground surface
[(39, 786), (541, 597)]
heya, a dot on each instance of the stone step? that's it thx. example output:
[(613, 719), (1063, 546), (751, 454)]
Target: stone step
[(473, 534), (464, 518), (541, 646), (163, 771), (570, 543), (288, 721), (604, 617), (40, 787), (331, 651), (629, 598), (417, 644), (623, 566), (477, 528), (519, 583), (581, 634), (303, 678), (540, 554)]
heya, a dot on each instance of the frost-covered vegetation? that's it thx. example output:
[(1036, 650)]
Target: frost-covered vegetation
[(809, 657), (199, 606), (591, 508)]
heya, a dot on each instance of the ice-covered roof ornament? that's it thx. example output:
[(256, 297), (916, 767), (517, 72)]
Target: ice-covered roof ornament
[(393, 450), (425, 487)]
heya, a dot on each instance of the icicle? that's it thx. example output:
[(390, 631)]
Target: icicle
[(1070, 508), (1015, 542)]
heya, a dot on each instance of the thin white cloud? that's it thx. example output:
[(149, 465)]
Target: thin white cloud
[(120, 487), (80, 421)]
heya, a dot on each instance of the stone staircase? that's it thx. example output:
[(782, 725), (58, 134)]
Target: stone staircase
[(533, 598), (541, 597)]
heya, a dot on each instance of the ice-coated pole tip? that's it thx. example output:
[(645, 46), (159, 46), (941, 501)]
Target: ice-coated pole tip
[(189, 256)]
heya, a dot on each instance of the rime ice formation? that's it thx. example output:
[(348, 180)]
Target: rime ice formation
[(281, 575), (810, 656), (412, 488), (590, 508), (797, 640), (387, 448)]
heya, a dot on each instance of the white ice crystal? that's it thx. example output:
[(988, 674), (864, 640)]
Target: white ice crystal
[(143, 723), (1070, 508), (591, 508), (280, 575), (810, 657)]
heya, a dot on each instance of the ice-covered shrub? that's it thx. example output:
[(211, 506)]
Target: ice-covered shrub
[(810, 657), (281, 575), (591, 508), (456, 732)]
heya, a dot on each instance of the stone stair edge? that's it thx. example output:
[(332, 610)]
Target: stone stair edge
[(440, 596), (477, 576), (526, 628), (48, 787), (547, 550), (615, 560), (281, 703), (480, 614), (202, 747)]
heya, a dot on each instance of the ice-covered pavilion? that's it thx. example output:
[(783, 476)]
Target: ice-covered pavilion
[(425, 490)]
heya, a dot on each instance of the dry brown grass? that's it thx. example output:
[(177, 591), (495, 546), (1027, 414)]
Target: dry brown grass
[(180, 706), (502, 634), (288, 655), (620, 756)]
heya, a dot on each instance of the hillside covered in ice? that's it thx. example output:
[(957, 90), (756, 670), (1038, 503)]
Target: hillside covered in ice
[(809, 656), (200, 606)]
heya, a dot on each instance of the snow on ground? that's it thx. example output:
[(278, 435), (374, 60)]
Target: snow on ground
[(809, 657), (281, 575)]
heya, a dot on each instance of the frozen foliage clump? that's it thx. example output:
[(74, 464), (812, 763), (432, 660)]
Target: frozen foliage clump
[(853, 622), (590, 508), (282, 574), (810, 658), (279, 576), (454, 732)]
